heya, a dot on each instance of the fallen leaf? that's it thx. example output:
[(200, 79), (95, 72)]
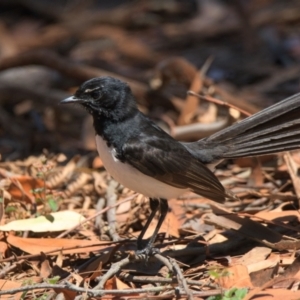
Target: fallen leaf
[(236, 276), (255, 255), (282, 216), (94, 269), (57, 221), (55, 246), (8, 285), (22, 188), (191, 102), (45, 268), (3, 248), (261, 277)]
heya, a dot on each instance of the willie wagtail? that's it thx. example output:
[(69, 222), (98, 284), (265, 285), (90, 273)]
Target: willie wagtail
[(144, 158)]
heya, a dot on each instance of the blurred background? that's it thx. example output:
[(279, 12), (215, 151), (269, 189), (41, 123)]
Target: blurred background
[(244, 52)]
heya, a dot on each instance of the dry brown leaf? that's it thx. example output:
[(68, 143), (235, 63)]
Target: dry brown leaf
[(69, 295), (261, 277), (291, 272), (66, 246), (236, 276), (45, 269), (22, 188), (254, 255), (121, 285), (262, 265), (282, 216), (111, 284), (115, 283), (8, 285), (191, 102), (95, 267), (3, 248)]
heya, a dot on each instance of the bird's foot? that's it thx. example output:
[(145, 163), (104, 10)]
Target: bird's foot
[(145, 247), (148, 251)]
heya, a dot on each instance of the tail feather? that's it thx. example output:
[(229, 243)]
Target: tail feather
[(272, 130), (273, 113), (264, 149), (274, 133)]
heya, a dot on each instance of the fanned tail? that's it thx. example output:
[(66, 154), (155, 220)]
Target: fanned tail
[(272, 130)]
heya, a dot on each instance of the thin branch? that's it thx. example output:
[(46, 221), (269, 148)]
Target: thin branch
[(219, 102), (99, 293), (181, 279), (111, 198)]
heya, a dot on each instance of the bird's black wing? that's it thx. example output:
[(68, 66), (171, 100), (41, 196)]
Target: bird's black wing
[(165, 159)]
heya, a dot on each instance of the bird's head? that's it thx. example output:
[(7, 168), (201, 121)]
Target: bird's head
[(106, 97)]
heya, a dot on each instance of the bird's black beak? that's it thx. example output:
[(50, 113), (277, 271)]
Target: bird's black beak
[(71, 99)]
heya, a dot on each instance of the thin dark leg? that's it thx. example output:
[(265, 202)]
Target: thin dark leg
[(163, 209), (154, 205)]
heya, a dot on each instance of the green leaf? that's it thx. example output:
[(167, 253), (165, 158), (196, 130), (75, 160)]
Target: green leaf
[(53, 280), (232, 294), (53, 204), (9, 209), (214, 273), (241, 293)]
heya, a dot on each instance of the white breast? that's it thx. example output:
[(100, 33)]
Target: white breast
[(131, 177)]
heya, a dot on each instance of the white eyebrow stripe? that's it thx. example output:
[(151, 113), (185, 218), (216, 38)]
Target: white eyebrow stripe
[(91, 90)]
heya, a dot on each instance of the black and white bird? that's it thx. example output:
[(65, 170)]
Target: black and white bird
[(144, 158)]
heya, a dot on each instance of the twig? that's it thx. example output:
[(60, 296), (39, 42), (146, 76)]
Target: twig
[(10, 268), (89, 292), (99, 222), (164, 261), (111, 199), (155, 279), (99, 293), (219, 102), (114, 269), (181, 279), (132, 257)]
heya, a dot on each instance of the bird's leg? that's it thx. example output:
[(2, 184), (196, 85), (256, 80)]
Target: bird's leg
[(154, 205), (163, 209)]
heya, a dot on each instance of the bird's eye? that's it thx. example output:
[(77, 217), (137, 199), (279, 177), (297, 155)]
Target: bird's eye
[(95, 94)]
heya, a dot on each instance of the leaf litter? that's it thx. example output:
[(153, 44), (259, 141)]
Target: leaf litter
[(65, 223), (196, 232)]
